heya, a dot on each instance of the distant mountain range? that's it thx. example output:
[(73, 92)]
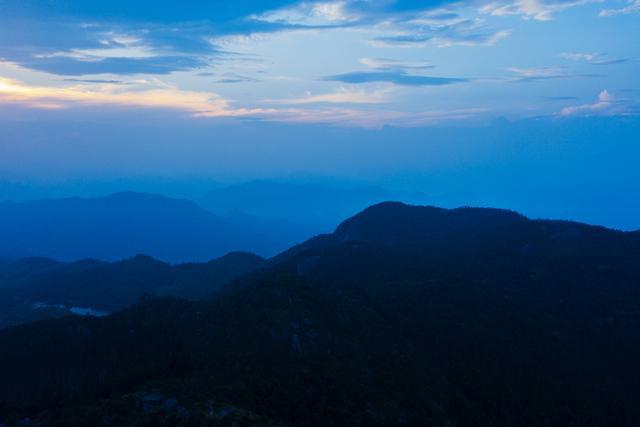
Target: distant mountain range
[(262, 217), (404, 315), (120, 226), (319, 206)]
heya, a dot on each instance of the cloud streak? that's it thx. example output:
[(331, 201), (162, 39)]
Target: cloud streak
[(400, 78), (633, 6), (395, 65), (526, 75), (12, 91), (464, 33), (397, 23), (592, 58), (540, 10), (211, 105), (606, 105), (79, 49), (341, 96)]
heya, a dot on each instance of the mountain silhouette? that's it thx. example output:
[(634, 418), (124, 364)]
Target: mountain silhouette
[(38, 288), (120, 226), (404, 315), (317, 206)]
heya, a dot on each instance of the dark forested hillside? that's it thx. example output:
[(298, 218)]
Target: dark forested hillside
[(38, 288), (405, 315)]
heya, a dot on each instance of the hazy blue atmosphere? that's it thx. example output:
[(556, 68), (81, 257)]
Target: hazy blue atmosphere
[(581, 168), (531, 106)]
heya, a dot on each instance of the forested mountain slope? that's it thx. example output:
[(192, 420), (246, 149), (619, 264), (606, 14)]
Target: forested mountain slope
[(404, 315)]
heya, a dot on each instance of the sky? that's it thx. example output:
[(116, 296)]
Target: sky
[(500, 100)]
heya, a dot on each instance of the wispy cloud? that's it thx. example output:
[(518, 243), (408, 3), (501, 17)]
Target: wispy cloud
[(394, 64), (211, 105), (375, 119), (12, 91), (561, 98), (81, 58), (633, 6), (606, 105), (232, 78), (341, 96), (592, 58), (541, 10), (122, 66), (454, 30), (97, 81), (544, 73), (396, 77), (78, 49), (311, 14), (395, 23), (89, 45)]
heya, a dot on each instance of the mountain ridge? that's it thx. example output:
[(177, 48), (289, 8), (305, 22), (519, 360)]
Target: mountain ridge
[(478, 318), (119, 226), (34, 289)]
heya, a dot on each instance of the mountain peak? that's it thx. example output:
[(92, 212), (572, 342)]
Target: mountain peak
[(395, 220)]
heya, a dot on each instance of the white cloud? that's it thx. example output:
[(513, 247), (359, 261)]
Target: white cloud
[(542, 73), (390, 28), (210, 105), (579, 56), (541, 10), (606, 105), (394, 64), (341, 96), (632, 7), (310, 14), (372, 119), (16, 92), (414, 33), (592, 58)]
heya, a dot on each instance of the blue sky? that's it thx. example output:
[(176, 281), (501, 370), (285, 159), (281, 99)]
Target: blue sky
[(362, 89)]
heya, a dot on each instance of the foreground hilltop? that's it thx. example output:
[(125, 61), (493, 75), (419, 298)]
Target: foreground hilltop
[(405, 315)]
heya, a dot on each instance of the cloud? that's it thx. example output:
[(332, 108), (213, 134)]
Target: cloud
[(544, 73), (76, 49), (606, 105), (466, 32), (372, 119), (97, 81), (633, 6), (396, 77), (592, 58), (80, 41), (541, 10), (393, 64), (561, 98), (210, 105), (166, 12), (121, 66), (197, 103), (117, 37), (311, 14), (342, 96), (234, 78), (397, 23)]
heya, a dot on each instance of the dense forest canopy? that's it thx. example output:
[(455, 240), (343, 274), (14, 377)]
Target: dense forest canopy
[(405, 315)]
